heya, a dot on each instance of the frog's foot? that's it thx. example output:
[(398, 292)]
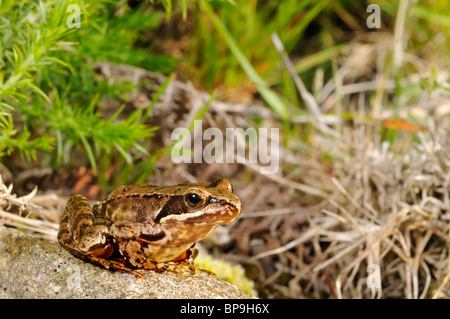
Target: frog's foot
[(210, 273), (114, 265), (182, 265), (183, 268)]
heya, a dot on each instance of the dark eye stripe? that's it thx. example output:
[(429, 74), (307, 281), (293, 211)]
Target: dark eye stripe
[(153, 237), (174, 206)]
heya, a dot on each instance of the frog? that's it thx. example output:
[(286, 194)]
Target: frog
[(145, 226)]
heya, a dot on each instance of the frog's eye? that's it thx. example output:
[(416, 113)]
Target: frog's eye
[(194, 198)]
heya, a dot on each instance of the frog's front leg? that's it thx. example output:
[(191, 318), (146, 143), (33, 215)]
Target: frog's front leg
[(83, 233), (140, 245), (182, 265), (185, 263)]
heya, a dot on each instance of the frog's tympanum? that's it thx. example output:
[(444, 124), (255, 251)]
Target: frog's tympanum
[(147, 226)]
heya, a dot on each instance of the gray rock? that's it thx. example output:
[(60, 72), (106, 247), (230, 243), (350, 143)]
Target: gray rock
[(31, 267)]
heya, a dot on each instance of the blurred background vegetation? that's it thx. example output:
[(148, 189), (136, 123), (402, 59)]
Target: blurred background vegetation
[(52, 98), (55, 105)]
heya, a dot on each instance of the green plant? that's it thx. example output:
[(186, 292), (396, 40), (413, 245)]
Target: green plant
[(244, 29), (234, 274)]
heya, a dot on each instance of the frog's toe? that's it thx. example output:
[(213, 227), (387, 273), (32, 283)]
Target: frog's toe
[(114, 265)]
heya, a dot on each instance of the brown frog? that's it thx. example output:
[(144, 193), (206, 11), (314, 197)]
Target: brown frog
[(147, 226)]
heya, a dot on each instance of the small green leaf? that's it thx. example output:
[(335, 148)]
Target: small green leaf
[(162, 88), (89, 151), (125, 155), (7, 106), (39, 91)]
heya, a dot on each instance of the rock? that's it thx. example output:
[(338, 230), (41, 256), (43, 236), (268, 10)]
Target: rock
[(32, 267)]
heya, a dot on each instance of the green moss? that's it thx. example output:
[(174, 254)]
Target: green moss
[(234, 274)]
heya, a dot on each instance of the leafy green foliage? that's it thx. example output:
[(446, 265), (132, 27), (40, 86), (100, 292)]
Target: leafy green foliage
[(117, 38), (250, 25), (11, 139), (50, 95), (168, 5)]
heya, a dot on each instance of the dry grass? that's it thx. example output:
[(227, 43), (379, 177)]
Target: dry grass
[(387, 209), (28, 213), (389, 205), (392, 211)]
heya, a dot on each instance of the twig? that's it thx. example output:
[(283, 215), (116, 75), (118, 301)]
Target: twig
[(304, 237), (307, 97), (275, 212), (39, 226), (444, 283), (398, 34), (281, 180)]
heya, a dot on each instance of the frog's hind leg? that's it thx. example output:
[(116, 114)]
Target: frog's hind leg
[(81, 232), (85, 234)]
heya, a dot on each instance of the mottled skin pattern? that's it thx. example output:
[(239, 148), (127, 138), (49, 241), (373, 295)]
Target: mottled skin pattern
[(147, 226)]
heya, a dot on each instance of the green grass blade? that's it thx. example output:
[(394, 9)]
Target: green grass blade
[(269, 96), (162, 88), (89, 152), (125, 155)]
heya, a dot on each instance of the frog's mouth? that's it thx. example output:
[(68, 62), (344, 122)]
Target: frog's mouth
[(203, 217), (214, 211), (212, 215)]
